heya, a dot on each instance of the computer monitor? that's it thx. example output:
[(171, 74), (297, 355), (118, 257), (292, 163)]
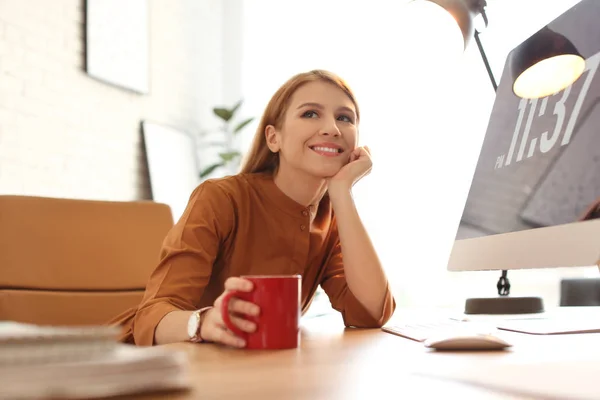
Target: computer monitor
[(537, 180)]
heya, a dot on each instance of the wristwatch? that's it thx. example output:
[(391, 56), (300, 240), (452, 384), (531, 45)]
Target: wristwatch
[(195, 323)]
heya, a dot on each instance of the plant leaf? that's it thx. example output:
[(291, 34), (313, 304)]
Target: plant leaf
[(229, 155), (236, 107), (210, 169), (223, 113), (242, 125)]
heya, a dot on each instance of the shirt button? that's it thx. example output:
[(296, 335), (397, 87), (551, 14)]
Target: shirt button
[(305, 213), (302, 227)]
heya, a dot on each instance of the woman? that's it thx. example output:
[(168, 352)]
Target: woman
[(289, 211)]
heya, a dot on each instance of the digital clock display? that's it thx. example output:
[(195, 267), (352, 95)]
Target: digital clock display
[(562, 124), (540, 160)]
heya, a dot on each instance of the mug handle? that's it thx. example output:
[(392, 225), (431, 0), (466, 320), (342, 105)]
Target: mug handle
[(225, 314)]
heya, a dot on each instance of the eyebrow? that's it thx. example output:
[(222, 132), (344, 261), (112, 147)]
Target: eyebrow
[(320, 106)]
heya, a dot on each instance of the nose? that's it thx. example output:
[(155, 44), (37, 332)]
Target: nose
[(330, 128)]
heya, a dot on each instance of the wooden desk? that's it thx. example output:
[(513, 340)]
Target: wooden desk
[(338, 363)]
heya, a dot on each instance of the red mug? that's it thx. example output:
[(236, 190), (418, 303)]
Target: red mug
[(278, 323)]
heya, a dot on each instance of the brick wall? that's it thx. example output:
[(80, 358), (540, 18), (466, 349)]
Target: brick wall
[(65, 134)]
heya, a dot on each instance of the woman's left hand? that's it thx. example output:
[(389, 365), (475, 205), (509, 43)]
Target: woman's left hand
[(359, 166)]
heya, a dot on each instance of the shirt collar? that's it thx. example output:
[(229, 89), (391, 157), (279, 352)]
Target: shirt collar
[(266, 185)]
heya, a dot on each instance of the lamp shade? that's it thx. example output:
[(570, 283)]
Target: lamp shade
[(463, 12), (545, 63)]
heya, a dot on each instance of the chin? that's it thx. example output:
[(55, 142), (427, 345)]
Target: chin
[(324, 172)]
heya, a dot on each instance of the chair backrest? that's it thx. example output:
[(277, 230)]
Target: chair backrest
[(76, 262)]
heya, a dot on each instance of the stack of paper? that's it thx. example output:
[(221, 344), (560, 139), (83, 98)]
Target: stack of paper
[(27, 344), (48, 362)]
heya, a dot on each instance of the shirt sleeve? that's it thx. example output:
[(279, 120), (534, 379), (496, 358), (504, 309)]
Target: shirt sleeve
[(341, 298), (186, 260)]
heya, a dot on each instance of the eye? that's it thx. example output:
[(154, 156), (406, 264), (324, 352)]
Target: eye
[(346, 118), (310, 114)]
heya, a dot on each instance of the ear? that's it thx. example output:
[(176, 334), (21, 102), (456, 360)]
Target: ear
[(272, 137)]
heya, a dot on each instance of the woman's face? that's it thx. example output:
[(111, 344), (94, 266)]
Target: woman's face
[(318, 132)]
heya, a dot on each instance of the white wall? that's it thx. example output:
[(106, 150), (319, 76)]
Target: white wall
[(424, 115), (65, 134)]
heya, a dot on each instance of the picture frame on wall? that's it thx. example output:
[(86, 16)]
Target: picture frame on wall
[(117, 43), (172, 165)]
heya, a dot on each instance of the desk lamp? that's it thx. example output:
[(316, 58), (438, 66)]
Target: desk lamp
[(546, 63)]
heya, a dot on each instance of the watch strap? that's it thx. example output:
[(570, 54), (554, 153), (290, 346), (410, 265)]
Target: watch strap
[(201, 313)]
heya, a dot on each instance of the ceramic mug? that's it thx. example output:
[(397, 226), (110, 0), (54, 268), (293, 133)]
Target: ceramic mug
[(278, 323)]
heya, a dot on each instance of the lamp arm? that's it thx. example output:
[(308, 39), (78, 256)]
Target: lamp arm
[(485, 61)]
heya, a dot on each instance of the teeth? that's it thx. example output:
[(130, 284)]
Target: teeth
[(327, 149)]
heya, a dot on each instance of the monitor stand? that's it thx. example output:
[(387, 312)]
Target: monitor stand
[(504, 304)]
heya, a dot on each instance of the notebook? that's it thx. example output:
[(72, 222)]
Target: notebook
[(125, 370), (22, 343), (46, 362)]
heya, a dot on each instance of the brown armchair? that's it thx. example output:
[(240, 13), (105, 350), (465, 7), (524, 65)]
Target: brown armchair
[(76, 262)]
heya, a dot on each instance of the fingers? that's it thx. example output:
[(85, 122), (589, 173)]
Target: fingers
[(364, 151), (243, 307), (226, 337), (244, 324), (359, 151), (240, 284), (214, 330), (237, 305)]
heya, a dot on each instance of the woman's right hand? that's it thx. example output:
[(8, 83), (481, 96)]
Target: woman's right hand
[(213, 327)]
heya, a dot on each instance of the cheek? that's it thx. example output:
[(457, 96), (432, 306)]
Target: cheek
[(296, 136), (292, 146), (351, 136)]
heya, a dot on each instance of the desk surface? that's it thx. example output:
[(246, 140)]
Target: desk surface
[(338, 363)]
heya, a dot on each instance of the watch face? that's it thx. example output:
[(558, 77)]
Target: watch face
[(192, 325)]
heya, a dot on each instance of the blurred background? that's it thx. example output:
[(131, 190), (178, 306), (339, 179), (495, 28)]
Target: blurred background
[(114, 100)]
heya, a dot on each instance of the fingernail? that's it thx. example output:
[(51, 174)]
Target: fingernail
[(241, 343), (256, 311)]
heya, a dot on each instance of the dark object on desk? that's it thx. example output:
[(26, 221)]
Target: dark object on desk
[(504, 305), (580, 292)]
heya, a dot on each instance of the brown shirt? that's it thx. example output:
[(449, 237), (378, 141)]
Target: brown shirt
[(243, 224)]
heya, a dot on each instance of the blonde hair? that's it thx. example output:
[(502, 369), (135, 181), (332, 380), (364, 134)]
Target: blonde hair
[(260, 158)]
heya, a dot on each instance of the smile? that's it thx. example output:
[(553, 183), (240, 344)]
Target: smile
[(327, 151)]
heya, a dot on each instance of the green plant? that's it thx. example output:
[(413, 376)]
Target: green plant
[(228, 154)]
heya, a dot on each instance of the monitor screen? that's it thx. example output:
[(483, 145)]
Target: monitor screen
[(539, 167)]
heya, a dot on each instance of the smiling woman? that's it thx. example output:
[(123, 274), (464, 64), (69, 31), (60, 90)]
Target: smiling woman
[(309, 131), (290, 211), (304, 101), (331, 148)]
